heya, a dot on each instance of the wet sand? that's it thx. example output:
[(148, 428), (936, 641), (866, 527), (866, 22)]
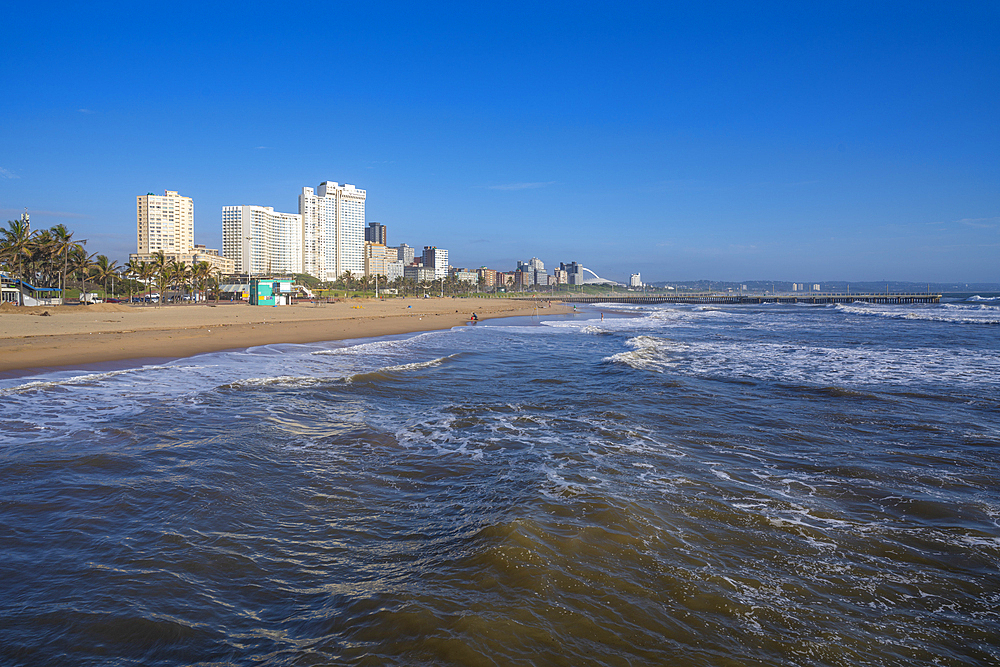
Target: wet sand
[(73, 335)]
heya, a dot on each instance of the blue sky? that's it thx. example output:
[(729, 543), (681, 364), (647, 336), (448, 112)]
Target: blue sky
[(784, 141)]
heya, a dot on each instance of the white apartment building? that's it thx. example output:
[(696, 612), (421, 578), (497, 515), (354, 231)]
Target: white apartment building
[(164, 223), (405, 254), (437, 259), (635, 280), (466, 276), (262, 239), (333, 230), (394, 270)]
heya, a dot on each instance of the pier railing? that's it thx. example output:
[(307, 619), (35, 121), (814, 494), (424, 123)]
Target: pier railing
[(893, 298)]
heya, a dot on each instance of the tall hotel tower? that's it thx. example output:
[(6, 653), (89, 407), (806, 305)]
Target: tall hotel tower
[(333, 230), (262, 239), (164, 223)]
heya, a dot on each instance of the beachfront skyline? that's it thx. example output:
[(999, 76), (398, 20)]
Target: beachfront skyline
[(727, 143)]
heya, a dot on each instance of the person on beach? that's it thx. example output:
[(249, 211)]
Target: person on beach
[(474, 318)]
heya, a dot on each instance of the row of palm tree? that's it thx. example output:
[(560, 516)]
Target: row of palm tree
[(40, 257), (170, 275), (51, 258)]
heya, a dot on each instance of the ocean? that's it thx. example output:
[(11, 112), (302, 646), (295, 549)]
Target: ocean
[(668, 485)]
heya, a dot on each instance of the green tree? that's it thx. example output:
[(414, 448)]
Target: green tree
[(130, 272), (105, 269), (15, 247), (82, 265), (62, 247), (161, 274), (146, 272), (180, 275), (202, 273)]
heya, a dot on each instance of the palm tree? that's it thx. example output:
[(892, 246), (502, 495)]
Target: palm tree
[(348, 279), (16, 247), (131, 271), (179, 275), (146, 273), (161, 272), (62, 246), (201, 273), (40, 261), (82, 264), (106, 269)]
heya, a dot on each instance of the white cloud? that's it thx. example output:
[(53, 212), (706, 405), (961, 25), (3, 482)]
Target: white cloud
[(521, 186), (980, 223), (7, 174), (85, 111)]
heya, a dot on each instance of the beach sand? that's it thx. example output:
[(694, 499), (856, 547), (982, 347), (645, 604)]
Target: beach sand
[(76, 335)]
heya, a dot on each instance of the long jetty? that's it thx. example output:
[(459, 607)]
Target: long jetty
[(755, 298)]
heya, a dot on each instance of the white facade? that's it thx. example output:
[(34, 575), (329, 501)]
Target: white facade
[(635, 280), (164, 223), (405, 254), (437, 259), (394, 270), (262, 239), (333, 230)]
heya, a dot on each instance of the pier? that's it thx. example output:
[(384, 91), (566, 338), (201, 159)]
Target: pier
[(738, 299)]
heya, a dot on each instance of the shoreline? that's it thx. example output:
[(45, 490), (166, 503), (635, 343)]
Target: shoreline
[(89, 335)]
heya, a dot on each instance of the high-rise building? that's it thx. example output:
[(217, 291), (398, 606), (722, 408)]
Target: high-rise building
[(635, 280), (437, 259), (488, 276), (375, 233), (262, 240), (419, 274), (405, 254), (378, 258), (164, 223), (574, 272), (333, 230)]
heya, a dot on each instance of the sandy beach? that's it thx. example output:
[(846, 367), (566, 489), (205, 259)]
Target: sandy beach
[(44, 337)]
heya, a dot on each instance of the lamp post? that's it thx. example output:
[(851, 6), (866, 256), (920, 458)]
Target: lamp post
[(249, 270)]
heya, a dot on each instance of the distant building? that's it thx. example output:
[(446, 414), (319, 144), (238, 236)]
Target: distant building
[(199, 253), (164, 223), (378, 258), (262, 240), (635, 280), (465, 276), (419, 273), (375, 233), (574, 272), (489, 276), (437, 259), (333, 230), (560, 277), (505, 280), (816, 287), (405, 253), (394, 270)]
